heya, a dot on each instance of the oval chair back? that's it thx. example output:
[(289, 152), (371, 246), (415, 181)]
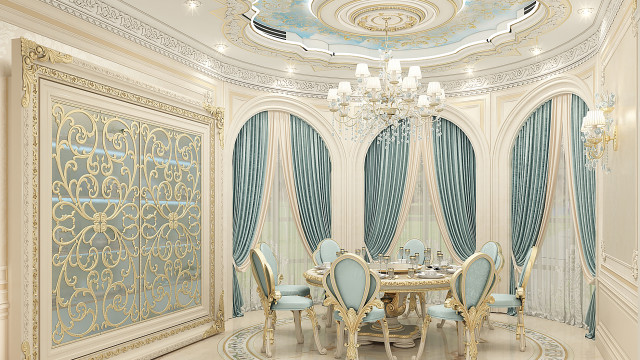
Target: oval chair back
[(351, 282), (494, 250), (416, 246), (472, 284), (263, 275), (528, 267), (316, 257), (328, 249), (267, 253)]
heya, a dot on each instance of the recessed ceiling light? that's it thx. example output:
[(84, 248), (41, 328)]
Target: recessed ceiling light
[(536, 50), (291, 68), (586, 11), (469, 69), (192, 4), (220, 47)]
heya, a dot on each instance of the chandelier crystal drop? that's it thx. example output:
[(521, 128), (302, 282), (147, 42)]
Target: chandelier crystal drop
[(387, 99)]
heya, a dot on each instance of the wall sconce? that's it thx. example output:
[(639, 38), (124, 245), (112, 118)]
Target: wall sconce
[(597, 131)]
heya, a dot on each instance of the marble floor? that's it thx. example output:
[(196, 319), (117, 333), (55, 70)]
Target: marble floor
[(546, 339)]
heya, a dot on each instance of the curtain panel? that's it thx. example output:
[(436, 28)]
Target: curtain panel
[(583, 199), (454, 163), (252, 176), (385, 175)]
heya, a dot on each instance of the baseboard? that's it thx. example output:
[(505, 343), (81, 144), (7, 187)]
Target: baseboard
[(608, 346)]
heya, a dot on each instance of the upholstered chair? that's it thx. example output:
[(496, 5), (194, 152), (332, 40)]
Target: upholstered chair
[(415, 246), (517, 300), (494, 250), (285, 290), (326, 252), (469, 302), (352, 288), (272, 300)]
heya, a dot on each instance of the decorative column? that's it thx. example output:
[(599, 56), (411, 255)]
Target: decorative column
[(4, 283)]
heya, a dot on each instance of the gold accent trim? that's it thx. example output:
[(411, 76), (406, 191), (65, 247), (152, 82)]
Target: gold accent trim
[(32, 53), (218, 325), (218, 115), (634, 264), (31, 74)]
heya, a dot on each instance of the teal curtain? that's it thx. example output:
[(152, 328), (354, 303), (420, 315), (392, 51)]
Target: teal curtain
[(385, 174), (455, 169), (312, 177), (529, 165), (584, 188), (249, 167)]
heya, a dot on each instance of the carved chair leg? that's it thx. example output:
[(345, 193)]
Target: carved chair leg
[(274, 319), (297, 323), (269, 335), (423, 336), (339, 339), (265, 332), (387, 345), (329, 317), (520, 329), (461, 335), (422, 306), (440, 324), (489, 320), (352, 344), (316, 328), (472, 345)]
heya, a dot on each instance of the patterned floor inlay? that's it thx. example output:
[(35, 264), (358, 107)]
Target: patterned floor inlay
[(244, 344)]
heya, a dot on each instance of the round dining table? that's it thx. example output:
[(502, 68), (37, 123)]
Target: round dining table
[(395, 291)]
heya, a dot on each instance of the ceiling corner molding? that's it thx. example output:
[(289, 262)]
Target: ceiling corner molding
[(107, 17)]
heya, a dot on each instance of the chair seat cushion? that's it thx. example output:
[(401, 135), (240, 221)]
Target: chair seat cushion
[(442, 312), (288, 290), (374, 315), (505, 300), (292, 303)]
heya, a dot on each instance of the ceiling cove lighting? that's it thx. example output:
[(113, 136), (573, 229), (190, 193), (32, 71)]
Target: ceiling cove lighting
[(387, 99), (598, 130)]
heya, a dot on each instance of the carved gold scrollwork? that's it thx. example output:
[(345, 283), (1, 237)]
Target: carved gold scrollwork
[(218, 114), (26, 351), (31, 53), (218, 322)]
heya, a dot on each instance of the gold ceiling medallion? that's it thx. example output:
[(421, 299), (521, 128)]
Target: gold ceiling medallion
[(391, 18), (32, 53)]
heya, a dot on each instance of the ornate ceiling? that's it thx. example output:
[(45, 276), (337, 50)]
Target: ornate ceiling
[(303, 47)]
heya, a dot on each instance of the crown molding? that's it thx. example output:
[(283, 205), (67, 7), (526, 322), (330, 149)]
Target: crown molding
[(116, 21)]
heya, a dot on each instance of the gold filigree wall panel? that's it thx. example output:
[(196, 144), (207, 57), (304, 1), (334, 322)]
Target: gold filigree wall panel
[(126, 220)]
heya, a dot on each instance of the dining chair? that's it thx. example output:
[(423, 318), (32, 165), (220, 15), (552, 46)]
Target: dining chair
[(285, 290), (494, 250), (517, 300), (352, 288), (469, 302), (415, 246), (326, 252), (272, 300)]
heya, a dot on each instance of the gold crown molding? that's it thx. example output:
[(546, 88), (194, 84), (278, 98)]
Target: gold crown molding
[(31, 73), (218, 115)]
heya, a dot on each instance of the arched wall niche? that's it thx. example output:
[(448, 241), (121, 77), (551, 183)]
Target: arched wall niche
[(501, 153), (480, 145), (339, 175)]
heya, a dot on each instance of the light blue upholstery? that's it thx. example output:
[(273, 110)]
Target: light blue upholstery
[(416, 246), (316, 257), (374, 315), (288, 290), (442, 312), (477, 275), (257, 266), (350, 282), (328, 250), (292, 303), (271, 258), (492, 249), (505, 300)]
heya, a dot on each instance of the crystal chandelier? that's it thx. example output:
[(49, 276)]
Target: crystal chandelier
[(387, 100), (597, 131)]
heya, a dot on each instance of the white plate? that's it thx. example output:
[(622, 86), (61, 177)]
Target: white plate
[(452, 271), (321, 271), (425, 276), (383, 276), (319, 267)]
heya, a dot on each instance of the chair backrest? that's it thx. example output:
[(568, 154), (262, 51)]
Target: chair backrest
[(262, 273), (328, 249), (472, 284), (270, 257), (527, 267), (494, 250), (416, 246), (317, 260), (351, 282)]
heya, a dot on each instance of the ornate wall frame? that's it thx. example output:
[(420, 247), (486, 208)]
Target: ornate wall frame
[(38, 62)]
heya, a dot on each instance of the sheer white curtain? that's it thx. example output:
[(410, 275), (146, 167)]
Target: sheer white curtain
[(557, 289), (281, 234), (421, 224)]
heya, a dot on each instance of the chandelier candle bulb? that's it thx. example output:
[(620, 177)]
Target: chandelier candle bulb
[(414, 71), (594, 118), (344, 88), (423, 101), (373, 83), (394, 67), (332, 95), (362, 71), (433, 88)]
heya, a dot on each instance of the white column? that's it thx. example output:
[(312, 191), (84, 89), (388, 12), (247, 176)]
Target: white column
[(4, 284)]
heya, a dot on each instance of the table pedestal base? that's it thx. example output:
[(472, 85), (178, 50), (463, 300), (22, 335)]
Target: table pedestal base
[(400, 335)]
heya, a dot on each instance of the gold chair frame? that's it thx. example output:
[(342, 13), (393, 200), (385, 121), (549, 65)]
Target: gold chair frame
[(271, 298), (352, 320), (328, 316), (521, 294), (498, 271)]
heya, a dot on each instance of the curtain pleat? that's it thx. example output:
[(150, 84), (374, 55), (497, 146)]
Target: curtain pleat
[(530, 166), (251, 178), (312, 177), (455, 171), (385, 174), (583, 199)]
